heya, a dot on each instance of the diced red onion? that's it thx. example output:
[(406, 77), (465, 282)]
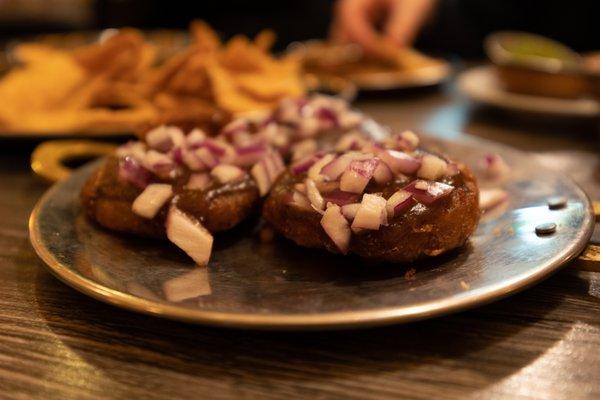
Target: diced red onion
[(196, 136), (349, 119), (398, 202), (188, 234), (336, 167), (193, 162), (490, 198), (432, 167), (314, 172), (357, 175), (494, 166), (452, 169), (399, 162), (350, 141), (132, 171), (407, 140), (198, 181), (225, 173), (206, 156), (435, 191), (299, 200), (316, 200), (382, 174), (261, 177), (152, 199), (304, 149), (349, 210), (236, 126), (304, 165), (250, 155), (164, 138), (160, 164), (327, 116), (336, 227), (340, 197), (371, 213), (137, 150), (274, 165)]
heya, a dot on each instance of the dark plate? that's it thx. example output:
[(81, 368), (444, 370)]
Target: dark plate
[(277, 285)]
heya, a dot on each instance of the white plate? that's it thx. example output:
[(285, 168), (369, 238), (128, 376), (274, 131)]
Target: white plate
[(480, 84)]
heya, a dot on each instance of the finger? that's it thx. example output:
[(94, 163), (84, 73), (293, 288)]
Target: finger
[(406, 18), (356, 24)]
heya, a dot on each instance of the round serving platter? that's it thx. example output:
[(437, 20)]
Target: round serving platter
[(273, 284)]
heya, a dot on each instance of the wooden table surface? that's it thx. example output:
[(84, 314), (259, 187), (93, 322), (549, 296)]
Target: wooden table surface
[(541, 344)]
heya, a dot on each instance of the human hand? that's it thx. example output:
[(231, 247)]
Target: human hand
[(356, 21)]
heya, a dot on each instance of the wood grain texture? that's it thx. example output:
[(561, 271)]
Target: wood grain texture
[(541, 344)]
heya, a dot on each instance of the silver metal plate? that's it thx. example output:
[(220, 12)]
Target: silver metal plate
[(277, 285)]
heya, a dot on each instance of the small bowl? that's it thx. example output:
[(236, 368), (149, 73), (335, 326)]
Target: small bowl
[(535, 65)]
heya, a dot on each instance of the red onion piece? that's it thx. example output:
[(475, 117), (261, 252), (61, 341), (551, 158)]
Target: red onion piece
[(398, 202), (198, 181), (250, 155), (336, 227), (340, 197), (206, 156), (406, 140), (236, 126), (371, 213), (189, 235), (316, 200), (452, 169), (399, 162), (490, 198), (314, 172), (349, 119), (383, 173), (192, 161), (261, 177), (358, 175), (327, 116), (132, 171), (299, 200), (334, 169), (159, 164), (225, 173), (304, 149), (152, 199), (196, 136), (274, 165), (349, 210), (350, 141), (304, 165), (432, 167), (494, 167), (435, 191)]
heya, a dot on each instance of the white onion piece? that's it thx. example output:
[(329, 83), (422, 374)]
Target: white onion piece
[(432, 167), (303, 149), (314, 172), (336, 227), (198, 181), (349, 210), (189, 235), (225, 173), (314, 195), (397, 202), (371, 213), (151, 200), (261, 177), (400, 162), (357, 175), (383, 173), (192, 284), (489, 198)]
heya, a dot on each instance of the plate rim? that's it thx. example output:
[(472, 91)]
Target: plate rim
[(305, 321)]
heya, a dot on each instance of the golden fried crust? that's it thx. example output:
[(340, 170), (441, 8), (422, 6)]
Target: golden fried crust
[(107, 199), (419, 232)]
